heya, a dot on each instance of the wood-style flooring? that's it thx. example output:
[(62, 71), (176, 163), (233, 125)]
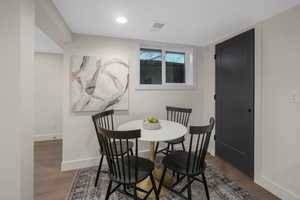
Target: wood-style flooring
[(52, 184), (49, 182)]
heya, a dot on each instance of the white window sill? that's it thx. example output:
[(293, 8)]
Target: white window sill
[(166, 87)]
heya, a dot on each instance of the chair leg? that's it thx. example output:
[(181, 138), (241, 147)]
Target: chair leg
[(135, 193), (172, 149), (205, 186), (178, 176), (125, 188), (99, 170), (154, 187), (173, 173), (131, 152), (161, 180), (156, 149), (168, 149), (108, 190), (183, 146), (189, 189)]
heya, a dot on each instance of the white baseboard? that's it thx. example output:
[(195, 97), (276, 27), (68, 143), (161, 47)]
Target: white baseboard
[(276, 189), (79, 164), (45, 137)]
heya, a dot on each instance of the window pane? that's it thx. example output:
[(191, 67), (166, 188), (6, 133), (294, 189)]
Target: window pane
[(175, 67), (150, 66)]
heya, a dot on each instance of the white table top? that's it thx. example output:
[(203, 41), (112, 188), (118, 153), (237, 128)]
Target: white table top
[(168, 131)]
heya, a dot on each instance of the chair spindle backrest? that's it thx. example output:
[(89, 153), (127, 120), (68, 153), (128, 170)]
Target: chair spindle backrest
[(120, 163), (103, 120), (201, 136), (179, 115)]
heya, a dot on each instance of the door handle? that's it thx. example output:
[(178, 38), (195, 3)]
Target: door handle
[(249, 110)]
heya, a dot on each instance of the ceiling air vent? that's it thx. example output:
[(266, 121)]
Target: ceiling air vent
[(157, 26)]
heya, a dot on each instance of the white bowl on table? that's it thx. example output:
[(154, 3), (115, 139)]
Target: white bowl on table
[(151, 126)]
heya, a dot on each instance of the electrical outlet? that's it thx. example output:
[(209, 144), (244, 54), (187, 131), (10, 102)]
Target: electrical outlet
[(295, 97)]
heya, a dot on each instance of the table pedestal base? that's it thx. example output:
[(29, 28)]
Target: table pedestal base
[(147, 185)]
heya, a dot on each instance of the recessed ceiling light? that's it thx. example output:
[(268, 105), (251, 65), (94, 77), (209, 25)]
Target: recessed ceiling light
[(121, 20)]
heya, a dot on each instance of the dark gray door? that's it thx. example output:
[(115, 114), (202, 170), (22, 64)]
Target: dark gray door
[(235, 101)]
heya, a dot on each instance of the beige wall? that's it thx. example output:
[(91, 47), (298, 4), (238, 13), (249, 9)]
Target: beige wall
[(50, 21), (277, 160), (80, 144), (280, 114), (9, 85), (48, 96), (16, 85), (26, 115), (207, 77)]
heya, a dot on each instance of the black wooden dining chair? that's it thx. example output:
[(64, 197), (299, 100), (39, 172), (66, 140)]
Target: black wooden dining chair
[(189, 164), (105, 120), (126, 170), (181, 116)]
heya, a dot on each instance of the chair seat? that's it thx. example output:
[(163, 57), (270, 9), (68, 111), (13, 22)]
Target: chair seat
[(145, 168), (176, 141), (117, 151), (178, 160)]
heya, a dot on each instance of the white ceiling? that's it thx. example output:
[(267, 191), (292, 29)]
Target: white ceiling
[(43, 44), (196, 22)]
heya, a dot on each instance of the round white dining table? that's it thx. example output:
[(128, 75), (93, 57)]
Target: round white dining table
[(169, 131)]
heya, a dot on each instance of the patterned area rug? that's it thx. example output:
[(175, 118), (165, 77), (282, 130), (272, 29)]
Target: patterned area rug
[(220, 187)]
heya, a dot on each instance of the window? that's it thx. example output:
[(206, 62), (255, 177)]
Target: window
[(165, 67), (175, 67), (150, 66)]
